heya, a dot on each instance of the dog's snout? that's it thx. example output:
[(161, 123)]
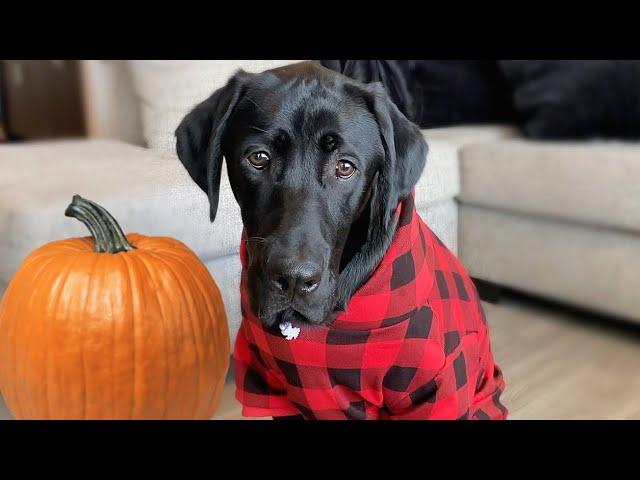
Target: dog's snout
[(293, 277)]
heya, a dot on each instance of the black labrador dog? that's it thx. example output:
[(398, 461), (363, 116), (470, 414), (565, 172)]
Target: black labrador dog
[(323, 168), (318, 163)]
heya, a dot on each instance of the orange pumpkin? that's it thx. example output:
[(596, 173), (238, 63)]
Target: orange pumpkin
[(112, 327)]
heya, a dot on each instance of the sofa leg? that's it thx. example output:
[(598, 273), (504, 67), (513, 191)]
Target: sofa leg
[(488, 291)]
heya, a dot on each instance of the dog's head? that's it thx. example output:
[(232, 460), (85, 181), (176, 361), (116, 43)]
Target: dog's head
[(318, 164)]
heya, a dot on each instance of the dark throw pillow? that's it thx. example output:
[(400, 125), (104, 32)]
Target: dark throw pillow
[(438, 93), (458, 92), (576, 98)]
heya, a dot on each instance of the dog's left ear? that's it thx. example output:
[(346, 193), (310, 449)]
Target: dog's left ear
[(199, 137), (405, 153), (405, 156)]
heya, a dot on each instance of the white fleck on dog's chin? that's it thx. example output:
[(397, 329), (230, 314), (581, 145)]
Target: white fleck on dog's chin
[(289, 331)]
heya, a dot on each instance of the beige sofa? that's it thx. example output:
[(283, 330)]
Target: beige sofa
[(557, 220)]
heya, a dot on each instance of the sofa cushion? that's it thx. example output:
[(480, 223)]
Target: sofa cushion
[(433, 93), (592, 182), (596, 268), (441, 180), (168, 89), (146, 192)]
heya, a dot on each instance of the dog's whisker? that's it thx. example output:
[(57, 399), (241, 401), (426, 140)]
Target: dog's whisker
[(252, 101)]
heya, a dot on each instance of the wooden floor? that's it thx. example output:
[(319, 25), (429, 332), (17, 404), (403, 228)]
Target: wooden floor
[(557, 365), (561, 365)]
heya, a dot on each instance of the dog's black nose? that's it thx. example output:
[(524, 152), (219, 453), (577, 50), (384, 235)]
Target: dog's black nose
[(299, 278)]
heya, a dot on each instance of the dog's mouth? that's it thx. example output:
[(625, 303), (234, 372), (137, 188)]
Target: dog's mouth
[(294, 318), (289, 315), (275, 321)]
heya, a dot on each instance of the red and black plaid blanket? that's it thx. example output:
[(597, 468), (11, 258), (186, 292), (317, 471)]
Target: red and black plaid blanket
[(412, 344)]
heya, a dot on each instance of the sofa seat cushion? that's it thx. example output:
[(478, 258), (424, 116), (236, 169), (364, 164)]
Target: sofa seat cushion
[(147, 193), (595, 268), (594, 183)]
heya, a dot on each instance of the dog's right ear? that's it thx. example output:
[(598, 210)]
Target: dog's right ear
[(199, 135)]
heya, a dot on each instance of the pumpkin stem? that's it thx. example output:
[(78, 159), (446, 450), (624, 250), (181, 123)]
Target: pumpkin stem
[(105, 231)]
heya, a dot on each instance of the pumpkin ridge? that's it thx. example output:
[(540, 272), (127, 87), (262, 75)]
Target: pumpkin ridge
[(85, 383), (218, 334), (112, 370), (68, 311), (19, 361), (165, 259), (167, 365), (36, 281), (127, 309), (64, 276), (193, 314), (203, 292), (199, 336), (17, 316), (209, 333), (178, 337), (134, 312)]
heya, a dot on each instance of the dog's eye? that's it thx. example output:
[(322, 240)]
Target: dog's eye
[(345, 169), (258, 160)]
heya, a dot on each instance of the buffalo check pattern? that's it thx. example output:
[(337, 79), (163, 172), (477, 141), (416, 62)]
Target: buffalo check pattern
[(413, 343)]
